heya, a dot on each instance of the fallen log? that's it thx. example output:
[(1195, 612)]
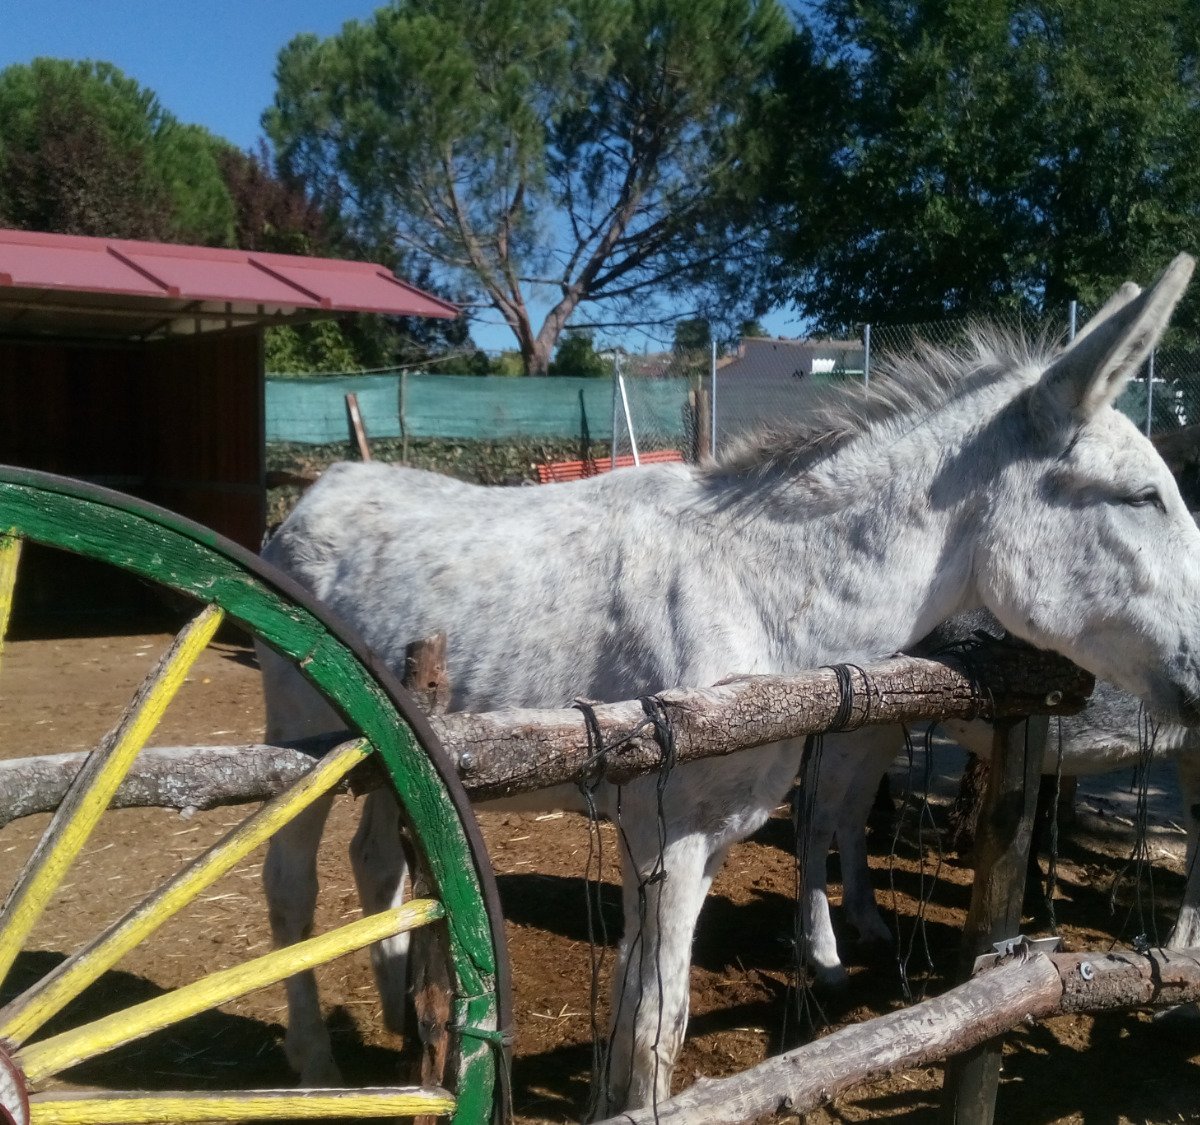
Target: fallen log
[(501, 753), (1019, 989)]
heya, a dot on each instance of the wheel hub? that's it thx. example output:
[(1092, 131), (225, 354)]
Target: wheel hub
[(14, 1099)]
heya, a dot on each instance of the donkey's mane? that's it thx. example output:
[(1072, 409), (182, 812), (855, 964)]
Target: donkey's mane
[(904, 386)]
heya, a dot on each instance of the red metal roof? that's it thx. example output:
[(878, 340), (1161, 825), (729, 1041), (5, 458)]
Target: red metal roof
[(67, 283)]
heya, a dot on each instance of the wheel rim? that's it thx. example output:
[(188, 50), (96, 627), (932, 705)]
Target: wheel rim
[(229, 583)]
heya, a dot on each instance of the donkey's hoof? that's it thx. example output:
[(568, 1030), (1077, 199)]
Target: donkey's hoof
[(319, 1072), (1181, 1016), (830, 978), (876, 937)]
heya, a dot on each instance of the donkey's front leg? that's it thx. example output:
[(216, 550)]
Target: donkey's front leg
[(290, 883), (662, 900)]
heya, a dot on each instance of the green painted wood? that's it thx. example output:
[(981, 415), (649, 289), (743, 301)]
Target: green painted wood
[(195, 561)]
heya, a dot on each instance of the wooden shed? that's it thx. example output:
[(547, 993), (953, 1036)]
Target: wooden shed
[(139, 365)]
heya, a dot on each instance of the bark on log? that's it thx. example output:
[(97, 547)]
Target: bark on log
[(500, 753), (186, 778), (1017, 990)]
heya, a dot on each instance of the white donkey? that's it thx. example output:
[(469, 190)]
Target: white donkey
[(995, 478), (1103, 737)]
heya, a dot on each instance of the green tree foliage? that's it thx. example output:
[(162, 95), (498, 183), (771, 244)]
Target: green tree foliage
[(576, 355), (988, 153), (692, 335), (271, 214), (591, 150), (320, 348), (86, 150)]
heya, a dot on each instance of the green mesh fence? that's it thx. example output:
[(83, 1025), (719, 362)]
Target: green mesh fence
[(313, 410)]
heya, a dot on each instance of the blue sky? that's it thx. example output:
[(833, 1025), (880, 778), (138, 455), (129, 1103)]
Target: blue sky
[(210, 62)]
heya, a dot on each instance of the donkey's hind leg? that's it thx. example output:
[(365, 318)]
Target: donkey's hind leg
[(380, 863), (836, 795), (858, 892), (290, 883)]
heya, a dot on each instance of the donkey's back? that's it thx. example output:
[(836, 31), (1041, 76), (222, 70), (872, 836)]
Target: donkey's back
[(601, 588)]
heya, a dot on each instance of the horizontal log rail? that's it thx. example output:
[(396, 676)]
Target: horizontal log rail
[(501, 753), (1020, 989)]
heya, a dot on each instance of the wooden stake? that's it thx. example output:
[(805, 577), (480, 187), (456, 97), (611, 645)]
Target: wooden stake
[(357, 430), (427, 677), (1001, 863), (701, 423)]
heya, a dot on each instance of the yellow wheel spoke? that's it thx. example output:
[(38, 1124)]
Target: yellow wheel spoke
[(29, 1011), (10, 552), (94, 786), (40, 1060), (119, 1108)]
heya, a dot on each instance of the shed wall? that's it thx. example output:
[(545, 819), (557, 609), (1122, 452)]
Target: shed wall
[(177, 422)]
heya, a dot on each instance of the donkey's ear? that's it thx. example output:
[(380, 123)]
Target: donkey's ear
[(1090, 374), (1117, 301)]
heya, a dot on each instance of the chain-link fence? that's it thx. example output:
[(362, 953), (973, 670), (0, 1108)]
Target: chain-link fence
[(675, 405), (1164, 395), (659, 406), (771, 382)]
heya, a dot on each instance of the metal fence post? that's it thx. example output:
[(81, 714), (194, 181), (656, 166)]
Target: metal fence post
[(616, 407), (712, 400), (403, 404), (1149, 392), (1072, 313), (866, 355)]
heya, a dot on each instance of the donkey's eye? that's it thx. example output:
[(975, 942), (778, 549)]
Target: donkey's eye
[(1147, 497)]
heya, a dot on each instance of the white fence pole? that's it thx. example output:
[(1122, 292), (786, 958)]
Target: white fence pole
[(616, 409), (628, 422), (1149, 393)]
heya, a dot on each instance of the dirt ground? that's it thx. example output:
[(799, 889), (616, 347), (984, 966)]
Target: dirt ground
[(62, 694)]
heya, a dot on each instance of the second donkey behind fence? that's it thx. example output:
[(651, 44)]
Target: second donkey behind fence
[(1110, 733), (991, 476)]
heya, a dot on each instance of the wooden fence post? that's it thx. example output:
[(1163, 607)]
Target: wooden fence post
[(1001, 862), (426, 676), (357, 430), (700, 402)]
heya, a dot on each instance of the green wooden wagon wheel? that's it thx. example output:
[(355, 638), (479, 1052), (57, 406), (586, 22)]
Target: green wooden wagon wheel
[(227, 583)]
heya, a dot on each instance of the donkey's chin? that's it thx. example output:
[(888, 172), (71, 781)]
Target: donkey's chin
[(1172, 702)]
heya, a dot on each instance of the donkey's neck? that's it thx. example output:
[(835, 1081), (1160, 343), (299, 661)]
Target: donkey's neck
[(866, 554)]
